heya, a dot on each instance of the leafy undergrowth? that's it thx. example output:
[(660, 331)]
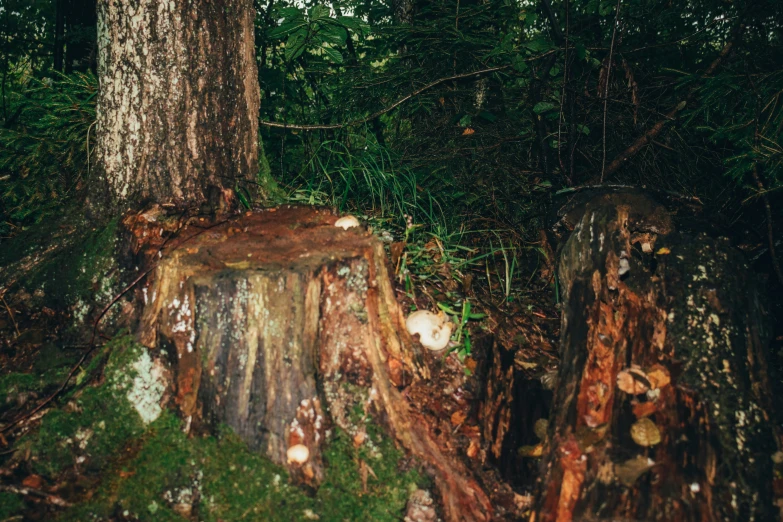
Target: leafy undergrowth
[(97, 453)]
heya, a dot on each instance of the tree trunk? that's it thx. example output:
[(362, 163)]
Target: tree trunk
[(281, 325), (661, 406), (179, 99)]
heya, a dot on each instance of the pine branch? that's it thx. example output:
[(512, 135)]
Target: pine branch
[(656, 129)]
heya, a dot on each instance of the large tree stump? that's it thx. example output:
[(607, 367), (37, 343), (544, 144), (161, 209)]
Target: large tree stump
[(661, 406), (280, 325)]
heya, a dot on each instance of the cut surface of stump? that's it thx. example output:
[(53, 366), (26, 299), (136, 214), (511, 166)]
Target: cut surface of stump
[(660, 409), (281, 326)]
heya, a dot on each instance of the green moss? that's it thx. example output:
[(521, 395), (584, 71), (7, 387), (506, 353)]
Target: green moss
[(269, 191), (13, 384), (224, 480), (220, 476), (150, 471), (10, 505), (342, 496), (95, 424), (75, 274)]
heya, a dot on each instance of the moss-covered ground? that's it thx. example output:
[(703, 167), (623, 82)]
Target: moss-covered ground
[(114, 466), (62, 264)]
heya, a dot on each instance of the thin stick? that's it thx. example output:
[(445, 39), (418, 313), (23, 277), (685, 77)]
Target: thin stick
[(37, 493), (11, 315), (606, 87), (381, 112), (770, 231)]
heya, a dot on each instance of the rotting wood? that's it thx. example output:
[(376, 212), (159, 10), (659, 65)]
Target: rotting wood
[(279, 324), (684, 434)]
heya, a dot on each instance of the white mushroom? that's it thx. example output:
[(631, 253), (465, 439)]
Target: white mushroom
[(298, 454), (434, 329), (347, 222)]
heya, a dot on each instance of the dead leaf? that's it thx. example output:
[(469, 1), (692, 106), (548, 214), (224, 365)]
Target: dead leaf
[(33, 481), (633, 381), (364, 472), (458, 417), (658, 377), (396, 249), (645, 433), (473, 448), (531, 451), (632, 469), (540, 428)]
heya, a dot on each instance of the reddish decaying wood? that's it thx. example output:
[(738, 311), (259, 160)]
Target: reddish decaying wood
[(685, 435), (282, 325)]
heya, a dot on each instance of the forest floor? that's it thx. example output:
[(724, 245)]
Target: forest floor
[(81, 451)]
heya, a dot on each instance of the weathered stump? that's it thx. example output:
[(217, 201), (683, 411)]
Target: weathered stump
[(281, 325), (661, 405)]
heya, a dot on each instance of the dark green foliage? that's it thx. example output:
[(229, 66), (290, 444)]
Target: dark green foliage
[(580, 83), (44, 143), (10, 505)]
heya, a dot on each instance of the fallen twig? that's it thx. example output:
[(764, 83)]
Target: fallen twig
[(11, 315), (770, 231), (32, 492)]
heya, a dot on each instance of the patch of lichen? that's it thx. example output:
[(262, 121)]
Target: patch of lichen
[(94, 423), (223, 480)]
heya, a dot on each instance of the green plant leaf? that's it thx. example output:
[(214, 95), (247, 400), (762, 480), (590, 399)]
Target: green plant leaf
[(542, 107), (285, 29), (333, 54), (318, 12), (294, 46)]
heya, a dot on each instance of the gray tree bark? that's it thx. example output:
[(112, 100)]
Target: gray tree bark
[(178, 102)]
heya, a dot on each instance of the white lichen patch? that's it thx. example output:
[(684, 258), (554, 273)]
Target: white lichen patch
[(83, 436), (147, 389), (702, 275)]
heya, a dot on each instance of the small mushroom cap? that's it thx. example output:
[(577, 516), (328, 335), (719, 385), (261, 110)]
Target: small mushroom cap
[(347, 222), (434, 329), (298, 454)]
